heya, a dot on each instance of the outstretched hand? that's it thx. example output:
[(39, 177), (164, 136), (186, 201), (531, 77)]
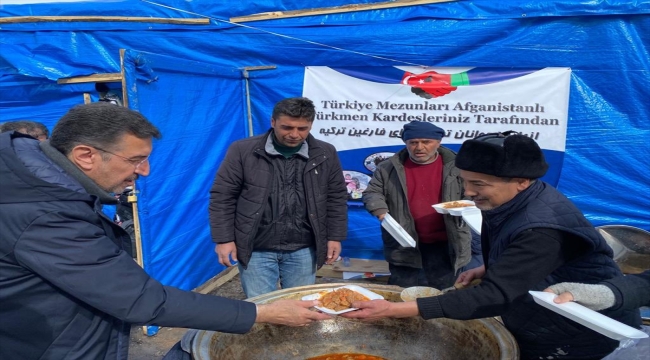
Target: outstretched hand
[(466, 277), (379, 309), (289, 312)]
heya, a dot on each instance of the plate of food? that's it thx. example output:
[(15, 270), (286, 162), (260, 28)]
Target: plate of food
[(454, 208), (339, 300)]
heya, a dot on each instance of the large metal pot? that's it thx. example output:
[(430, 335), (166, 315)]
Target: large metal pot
[(403, 339), (631, 246)]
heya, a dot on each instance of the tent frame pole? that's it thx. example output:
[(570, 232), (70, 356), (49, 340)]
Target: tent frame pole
[(249, 113), (69, 19), (133, 197)]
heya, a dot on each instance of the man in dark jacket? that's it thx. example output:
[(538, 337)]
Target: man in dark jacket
[(68, 288), (405, 186), (532, 237), (279, 203)]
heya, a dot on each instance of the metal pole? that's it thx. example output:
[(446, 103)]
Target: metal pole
[(249, 112)]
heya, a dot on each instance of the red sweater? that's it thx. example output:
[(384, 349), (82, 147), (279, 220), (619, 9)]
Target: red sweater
[(424, 188)]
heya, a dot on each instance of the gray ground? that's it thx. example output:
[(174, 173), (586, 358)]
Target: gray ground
[(144, 347)]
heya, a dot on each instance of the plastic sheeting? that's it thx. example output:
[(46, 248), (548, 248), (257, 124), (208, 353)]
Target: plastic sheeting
[(188, 80), (173, 201)]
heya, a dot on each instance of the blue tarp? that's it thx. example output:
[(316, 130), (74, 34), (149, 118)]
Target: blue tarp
[(188, 80)]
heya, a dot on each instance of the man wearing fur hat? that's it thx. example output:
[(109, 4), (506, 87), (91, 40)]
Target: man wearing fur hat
[(418, 176), (532, 237)]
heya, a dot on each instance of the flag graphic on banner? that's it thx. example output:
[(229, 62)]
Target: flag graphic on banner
[(431, 84)]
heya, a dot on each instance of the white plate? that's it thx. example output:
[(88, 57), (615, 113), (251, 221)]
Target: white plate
[(457, 211), (397, 231), (589, 318), (473, 218), (367, 293)]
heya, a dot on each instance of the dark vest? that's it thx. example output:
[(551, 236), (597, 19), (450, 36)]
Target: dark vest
[(542, 206)]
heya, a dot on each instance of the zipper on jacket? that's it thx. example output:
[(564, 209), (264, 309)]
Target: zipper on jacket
[(251, 237), (311, 203)]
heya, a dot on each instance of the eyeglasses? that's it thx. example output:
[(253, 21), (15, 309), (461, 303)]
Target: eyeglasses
[(135, 162)]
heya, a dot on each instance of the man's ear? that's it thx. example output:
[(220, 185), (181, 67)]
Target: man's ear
[(522, 184), (84, 156), (272, 122)]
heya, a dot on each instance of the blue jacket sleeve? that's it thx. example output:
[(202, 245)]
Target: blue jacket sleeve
[(74, 254)]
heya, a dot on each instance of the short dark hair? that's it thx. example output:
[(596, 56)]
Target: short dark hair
[(42, 128), (32, 128), (299, 107), (99, 124), (22, 126)]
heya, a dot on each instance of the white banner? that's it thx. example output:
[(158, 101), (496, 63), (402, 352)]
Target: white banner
[(367, 107)]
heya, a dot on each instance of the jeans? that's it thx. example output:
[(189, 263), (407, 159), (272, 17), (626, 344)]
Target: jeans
[(177, 353), (182, 350), (266, 267), (437, 270)]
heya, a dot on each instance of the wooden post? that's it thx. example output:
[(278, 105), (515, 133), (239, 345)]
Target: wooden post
[(332, 10), (125, 95), (133, 197), (94, 78), (32, 19)]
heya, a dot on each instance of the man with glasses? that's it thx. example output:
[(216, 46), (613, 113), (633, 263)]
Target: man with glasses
[(532, 237), (68, 287)]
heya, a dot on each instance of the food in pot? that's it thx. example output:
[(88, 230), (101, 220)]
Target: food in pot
[(346, 356), (341, 299), (455, 204)]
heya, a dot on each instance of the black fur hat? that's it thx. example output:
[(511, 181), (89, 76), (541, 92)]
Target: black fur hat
[(503, 155)]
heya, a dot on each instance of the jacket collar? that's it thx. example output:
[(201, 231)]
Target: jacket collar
[(501, 213), (87, 183), (312, 146), (270, 148)]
